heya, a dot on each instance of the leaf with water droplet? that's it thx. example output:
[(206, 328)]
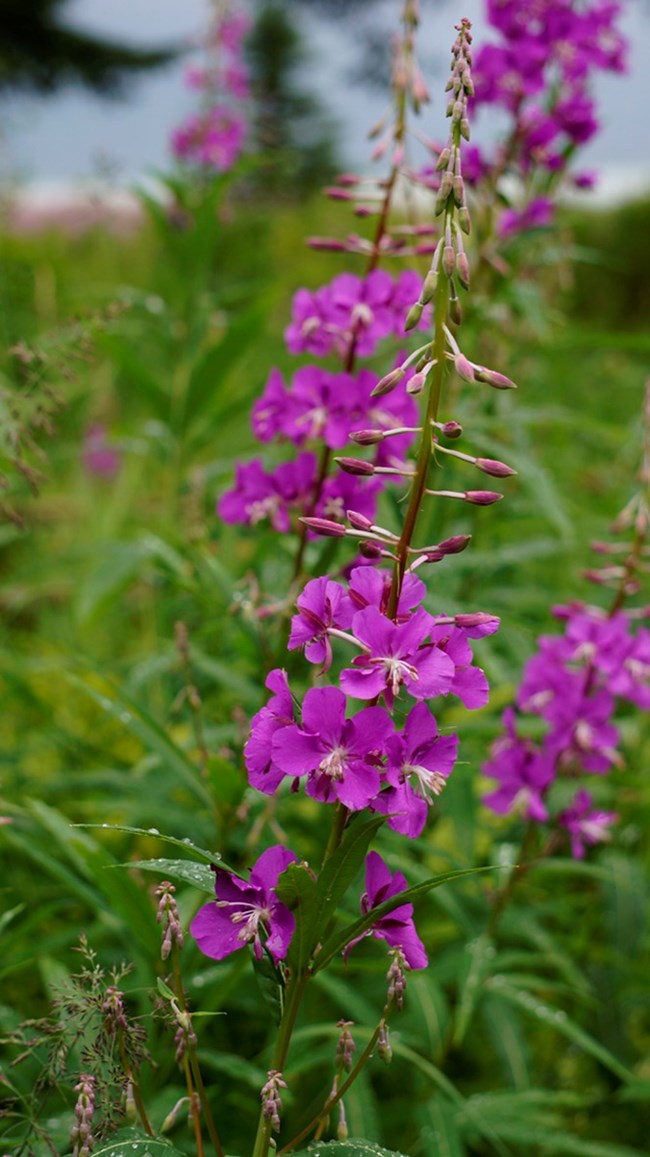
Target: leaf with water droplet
[(185, 843), (132, 1143), (185, 871)]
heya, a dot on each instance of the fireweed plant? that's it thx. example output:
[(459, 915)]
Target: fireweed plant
[(212, 139), (366, 744), (575, 684)]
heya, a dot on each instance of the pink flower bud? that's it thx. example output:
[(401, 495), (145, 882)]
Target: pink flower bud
[(388, 383), (464, 368), (462, 269), (492, 378), (416, 384), (367, 437), (371, 550), (495, 468), (358, 521), (448, 260), (455, 544), (451, 429), (482, 497), (356, 466), (477, 619), (324, 526)]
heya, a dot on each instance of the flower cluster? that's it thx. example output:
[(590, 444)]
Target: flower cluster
[(367, 740), (213, 138), (573, 684), (540, 72)]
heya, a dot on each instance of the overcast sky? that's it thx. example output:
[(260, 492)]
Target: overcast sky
[(64, 137)]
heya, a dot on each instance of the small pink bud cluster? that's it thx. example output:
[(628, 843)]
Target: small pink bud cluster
[(167, 915), (271, 1101), (81, 1135)]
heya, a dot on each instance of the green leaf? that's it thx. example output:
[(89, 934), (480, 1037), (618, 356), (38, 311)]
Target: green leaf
[(355, 1148), (338, 941), (443, 1137), (187, 871), (154, 738), (133, 1143), (337, 874), (478, 956), (207, 393), (153, 833), (558, 1019), (297, 889)]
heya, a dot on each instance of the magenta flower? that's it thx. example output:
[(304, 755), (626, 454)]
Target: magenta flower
[(370, 587), (341, 756), (396, 655), (524, 772), (278, 712), (99, 457), (397, 929), (585, 824), (244, 912), (318, 607), (418, 764)]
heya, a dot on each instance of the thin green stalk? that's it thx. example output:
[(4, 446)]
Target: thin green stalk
[(294, 995), (418, 487)]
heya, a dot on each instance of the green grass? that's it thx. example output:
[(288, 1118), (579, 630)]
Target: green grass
[(167, 338)]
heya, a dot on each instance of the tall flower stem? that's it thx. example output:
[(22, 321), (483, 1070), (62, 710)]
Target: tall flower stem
[(294, 994), (425, 453)]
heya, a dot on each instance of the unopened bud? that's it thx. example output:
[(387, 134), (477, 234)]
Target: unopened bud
[(388, 383), (464, 220), (356, 466), (465, 129), (413, 317), (384, 1050), (495, 468), (324, 526), (367, 437), (443, 159), (464, 368), (429, 286), (416, 384), (459, 190), (455, 544), (451, 429), (455, 310), (477, 619), (482, 497), (492, 378), (342, 1132), (448, 260), (371, 550), (358, 521), (462, 269)]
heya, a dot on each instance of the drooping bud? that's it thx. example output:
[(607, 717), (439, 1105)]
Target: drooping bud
[(345, 1046), (455, 544), (494, 379), (356, 466), (384, 1050), (342, 1132), (414, 316), (367, 437), (358, 521), (495, 468), (464, 367), (388, 383), (324, 526), (462, 269), (482, 497), (396, 977), (371, 550), (451, 429)]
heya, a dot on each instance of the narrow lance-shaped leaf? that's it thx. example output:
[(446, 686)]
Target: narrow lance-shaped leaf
[(338, 941)]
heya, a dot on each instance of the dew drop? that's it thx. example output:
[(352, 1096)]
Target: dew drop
[(153, 831)]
